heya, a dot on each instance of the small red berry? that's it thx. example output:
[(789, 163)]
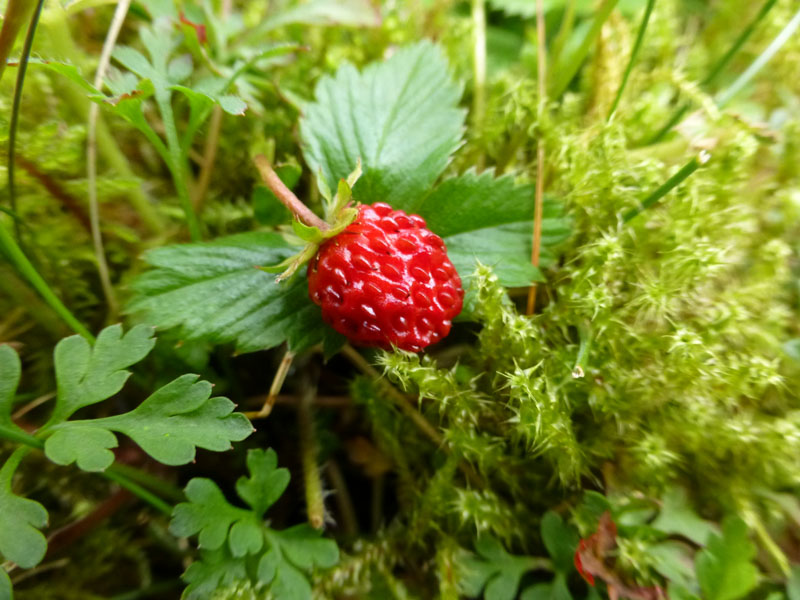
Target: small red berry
[(386, 281)]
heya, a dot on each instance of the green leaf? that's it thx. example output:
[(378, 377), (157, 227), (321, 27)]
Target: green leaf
[(10, 371), (215, 569), (6, 591), (560, 539), (266, 482), (209, 514), (673, 560), (86, 375), (400, 117), (493, 570), (305, 547), (20, 521), (793, 585), (677, 517), (86, 445), (178, 418), (557, 590), (488, 219), (724, 568), (213, 291)]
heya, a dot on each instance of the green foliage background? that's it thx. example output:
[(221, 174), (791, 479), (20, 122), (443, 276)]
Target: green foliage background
[(657, 380)]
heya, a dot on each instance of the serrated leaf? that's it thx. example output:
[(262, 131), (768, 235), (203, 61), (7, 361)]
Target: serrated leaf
[(135, 61), (489, 220), (266, 482), (305, 547), (213, 291), (208, 514), (85, 445), (724, 568), (560, 539), (401, 117), (677, 517), (20, 521), (178, 418), (86, 375), (557, 590), (10, 371)]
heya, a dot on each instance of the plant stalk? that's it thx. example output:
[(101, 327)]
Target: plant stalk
[(687, 169), (315, 504), (541, 79), (301, 212), (479, 69), (91, 160), (637, 46), (275, 388)]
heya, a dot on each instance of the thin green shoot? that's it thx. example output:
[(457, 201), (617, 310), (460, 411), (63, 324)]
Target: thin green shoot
[(718, 68), (684, 172), (637, 46), (741, 82), (567, 68), (15, 109)]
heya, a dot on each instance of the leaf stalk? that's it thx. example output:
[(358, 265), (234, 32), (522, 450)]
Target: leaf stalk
[(286, 196)]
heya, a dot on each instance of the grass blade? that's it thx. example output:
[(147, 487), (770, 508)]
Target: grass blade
[(666, 187), (567, 68), (745, 78), (637, 46), (716, 70)]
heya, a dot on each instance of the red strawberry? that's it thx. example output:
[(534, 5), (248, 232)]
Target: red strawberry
[(386, 281)]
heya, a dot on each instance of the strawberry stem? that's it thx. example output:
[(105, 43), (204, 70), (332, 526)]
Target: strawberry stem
[(301, 212)]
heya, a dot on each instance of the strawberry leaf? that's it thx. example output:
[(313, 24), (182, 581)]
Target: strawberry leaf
[(400, 117), (213, 291), (724, 568), (488, 219)]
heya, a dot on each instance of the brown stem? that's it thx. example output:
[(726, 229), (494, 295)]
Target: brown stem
[(286, 196), (56, 190), (275, 388)]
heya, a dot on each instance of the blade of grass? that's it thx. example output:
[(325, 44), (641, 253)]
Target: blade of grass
[(741, 82), (8, 245), (684, 172), (718, 67), (18, 13), (564, 31), (541, 81), (637, 46), (91, 160), (567, 68), (479, 70), (15, 109)]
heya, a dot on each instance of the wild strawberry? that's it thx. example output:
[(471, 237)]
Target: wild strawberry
[(385, 281)]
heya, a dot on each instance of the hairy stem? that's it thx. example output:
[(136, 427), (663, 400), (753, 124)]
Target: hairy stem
[(301, 212), (315, 505)]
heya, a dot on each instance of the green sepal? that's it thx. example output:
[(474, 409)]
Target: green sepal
[(308, 234)]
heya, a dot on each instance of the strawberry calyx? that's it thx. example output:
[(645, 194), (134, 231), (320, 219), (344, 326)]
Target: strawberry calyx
[(308, 230)]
